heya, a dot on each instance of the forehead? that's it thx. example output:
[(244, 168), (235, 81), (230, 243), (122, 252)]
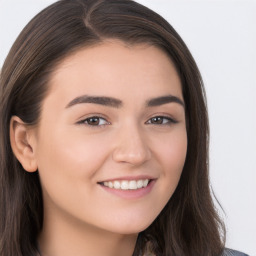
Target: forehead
[(113, 67)]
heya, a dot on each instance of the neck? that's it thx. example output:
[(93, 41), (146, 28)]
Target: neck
[(62, 235)]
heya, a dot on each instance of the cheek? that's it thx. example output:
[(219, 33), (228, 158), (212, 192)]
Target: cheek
[(173, 150), (71, 155), (68, 166), (172, 154), (175, 153)]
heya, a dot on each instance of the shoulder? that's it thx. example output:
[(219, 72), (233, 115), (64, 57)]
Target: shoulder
[(230, 252)]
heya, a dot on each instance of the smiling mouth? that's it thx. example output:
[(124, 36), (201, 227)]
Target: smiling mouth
[(126, 184)]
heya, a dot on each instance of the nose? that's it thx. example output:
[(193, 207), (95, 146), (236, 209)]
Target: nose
[(131, 146)]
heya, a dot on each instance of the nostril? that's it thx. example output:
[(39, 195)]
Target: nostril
[(134, 156)]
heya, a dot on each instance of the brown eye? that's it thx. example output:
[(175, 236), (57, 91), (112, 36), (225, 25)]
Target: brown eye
[(158, 120), (94, 121)]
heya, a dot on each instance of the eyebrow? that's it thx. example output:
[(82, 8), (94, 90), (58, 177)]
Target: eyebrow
[(116, 103), (106, 101), (164, 100)]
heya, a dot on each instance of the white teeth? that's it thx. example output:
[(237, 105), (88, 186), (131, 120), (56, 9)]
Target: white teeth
[(133, 184), (124, 185), (117, 185), (127, 185), (139, 183), (110, 184), (145, 183)]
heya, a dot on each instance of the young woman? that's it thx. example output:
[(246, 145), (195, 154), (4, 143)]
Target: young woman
[(104, 138)]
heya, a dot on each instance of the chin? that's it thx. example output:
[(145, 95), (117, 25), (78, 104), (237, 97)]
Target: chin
[(132, 227)]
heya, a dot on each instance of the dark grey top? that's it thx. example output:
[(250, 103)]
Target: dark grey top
[(229, 252)]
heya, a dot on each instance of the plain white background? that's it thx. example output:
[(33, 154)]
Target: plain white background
[(221, 35)]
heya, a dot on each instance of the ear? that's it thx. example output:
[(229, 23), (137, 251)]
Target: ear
[(22, 140)]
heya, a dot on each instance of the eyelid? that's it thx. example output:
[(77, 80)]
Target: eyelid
[(171, 120), (83, 121)]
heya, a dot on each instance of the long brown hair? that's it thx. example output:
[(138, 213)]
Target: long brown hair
[(189, 224)]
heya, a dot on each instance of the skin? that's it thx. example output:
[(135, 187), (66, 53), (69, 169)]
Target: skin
[(73, 155)]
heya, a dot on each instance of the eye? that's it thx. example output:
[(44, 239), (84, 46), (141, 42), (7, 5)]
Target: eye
[(94, 121), (158, 120)]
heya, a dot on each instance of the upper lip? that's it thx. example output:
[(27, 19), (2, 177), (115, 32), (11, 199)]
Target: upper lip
[(139, 177)]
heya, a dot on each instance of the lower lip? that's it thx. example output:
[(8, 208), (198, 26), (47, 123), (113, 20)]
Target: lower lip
[(131, 194)]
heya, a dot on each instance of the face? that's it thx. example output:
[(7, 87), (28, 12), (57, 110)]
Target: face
[(111, 142)]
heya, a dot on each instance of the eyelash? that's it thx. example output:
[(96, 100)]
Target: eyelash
[(168, 122), (85, 122)]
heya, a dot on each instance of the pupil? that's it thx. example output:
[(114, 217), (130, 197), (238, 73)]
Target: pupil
[(157, 120), (94, 120)]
